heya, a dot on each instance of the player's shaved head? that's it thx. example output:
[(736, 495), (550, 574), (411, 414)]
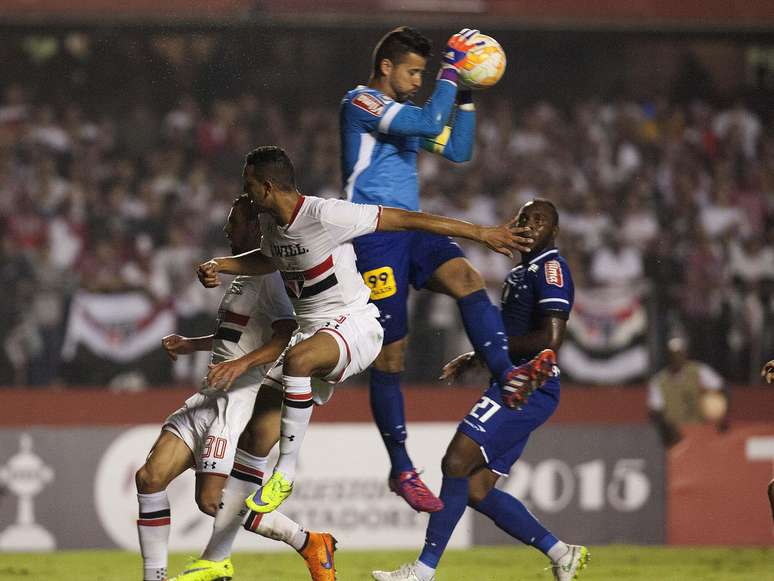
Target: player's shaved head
[(272, 163), (397, 43), (546, 205)]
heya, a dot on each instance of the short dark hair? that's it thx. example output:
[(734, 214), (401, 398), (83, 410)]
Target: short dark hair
[(244, 202), (271, 162), (398, 43), (551, 207)]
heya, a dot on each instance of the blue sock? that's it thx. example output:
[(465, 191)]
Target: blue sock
[(484, 326), (390, 418), (512, 516), (454, 494)]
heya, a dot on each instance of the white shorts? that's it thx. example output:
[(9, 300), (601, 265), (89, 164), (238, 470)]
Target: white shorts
[(210, 424), (360, 340)]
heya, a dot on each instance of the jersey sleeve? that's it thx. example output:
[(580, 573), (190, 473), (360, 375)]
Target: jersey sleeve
[(455, 143), (555, 291), (345, 220), (365, 111), (428, 121), (274, 299)]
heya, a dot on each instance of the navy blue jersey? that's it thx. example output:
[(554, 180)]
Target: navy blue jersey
[(538, 288)]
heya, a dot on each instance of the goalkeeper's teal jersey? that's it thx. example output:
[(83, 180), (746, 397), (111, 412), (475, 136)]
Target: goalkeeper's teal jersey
[(380, 139)]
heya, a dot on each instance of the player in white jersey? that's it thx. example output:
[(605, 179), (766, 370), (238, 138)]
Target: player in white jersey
[(255, 323), (308, 240)]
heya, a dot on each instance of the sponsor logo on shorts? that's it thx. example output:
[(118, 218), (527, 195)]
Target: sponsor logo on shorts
[(381, 281)]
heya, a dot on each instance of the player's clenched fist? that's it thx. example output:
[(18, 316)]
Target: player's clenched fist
[(176, 345), (767, 372), (458, 46), (208, 273)]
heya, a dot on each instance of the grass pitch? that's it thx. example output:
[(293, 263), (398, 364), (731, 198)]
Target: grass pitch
[(608, 563)]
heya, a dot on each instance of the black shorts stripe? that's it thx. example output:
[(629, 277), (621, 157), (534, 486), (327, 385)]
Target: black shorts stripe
[(298, 404), (317, 288), (228, 334), (246, 477), (156, 514)]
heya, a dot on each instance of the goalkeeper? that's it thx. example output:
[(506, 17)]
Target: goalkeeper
[(381, 133)]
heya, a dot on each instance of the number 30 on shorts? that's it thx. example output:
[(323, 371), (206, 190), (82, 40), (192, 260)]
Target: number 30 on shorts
[(381, 281)]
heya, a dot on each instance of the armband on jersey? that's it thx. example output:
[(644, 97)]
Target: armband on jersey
[(438, 143)]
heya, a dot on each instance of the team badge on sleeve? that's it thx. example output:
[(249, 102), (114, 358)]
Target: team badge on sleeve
[(371, 103), (553, 271)]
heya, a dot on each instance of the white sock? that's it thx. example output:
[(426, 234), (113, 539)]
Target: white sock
[(423, 571), (296, 413), (153, 530), (245, 478), (275, 525), (558, 551)]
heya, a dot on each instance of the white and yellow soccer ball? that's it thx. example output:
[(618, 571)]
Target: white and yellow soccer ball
[(484, 65)]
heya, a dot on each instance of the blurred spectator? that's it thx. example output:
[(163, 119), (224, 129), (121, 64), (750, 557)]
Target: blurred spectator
[(616, 263), (675, 393)]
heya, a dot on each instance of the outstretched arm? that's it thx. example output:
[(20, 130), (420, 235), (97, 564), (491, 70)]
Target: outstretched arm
[(250, 263), (502, 239)]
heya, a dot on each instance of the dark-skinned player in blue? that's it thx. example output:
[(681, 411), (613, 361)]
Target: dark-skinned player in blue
[(381, 134), (536, 303)]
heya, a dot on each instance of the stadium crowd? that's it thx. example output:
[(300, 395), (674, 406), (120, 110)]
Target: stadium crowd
[(671, 199)]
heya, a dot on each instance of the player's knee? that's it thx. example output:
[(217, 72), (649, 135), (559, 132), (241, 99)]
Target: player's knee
[(246, 440), (467, 280), (471, 281), (392, 357), (477, 492), (298, 363), (149, 481), (208, 502), (454, 466)]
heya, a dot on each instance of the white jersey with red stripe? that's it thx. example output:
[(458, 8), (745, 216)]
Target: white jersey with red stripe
[(314, 254), (248, 308)]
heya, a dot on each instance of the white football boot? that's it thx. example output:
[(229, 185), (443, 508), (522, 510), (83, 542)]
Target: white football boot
[(407, 572), (568, 567)]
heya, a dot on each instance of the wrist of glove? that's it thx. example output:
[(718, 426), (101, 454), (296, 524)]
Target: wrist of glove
[(464, 97), (448, 73)]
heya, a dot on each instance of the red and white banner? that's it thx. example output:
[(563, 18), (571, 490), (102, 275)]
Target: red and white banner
[(606, 342), (120, 327)]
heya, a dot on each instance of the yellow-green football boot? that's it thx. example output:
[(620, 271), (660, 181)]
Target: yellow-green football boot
[(269, 496), (204, 570)]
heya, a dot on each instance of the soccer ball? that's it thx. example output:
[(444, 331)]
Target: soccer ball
[(484, 65)]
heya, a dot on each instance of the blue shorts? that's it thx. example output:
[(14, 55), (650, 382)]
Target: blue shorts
[(501, 432), (390, 261)]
